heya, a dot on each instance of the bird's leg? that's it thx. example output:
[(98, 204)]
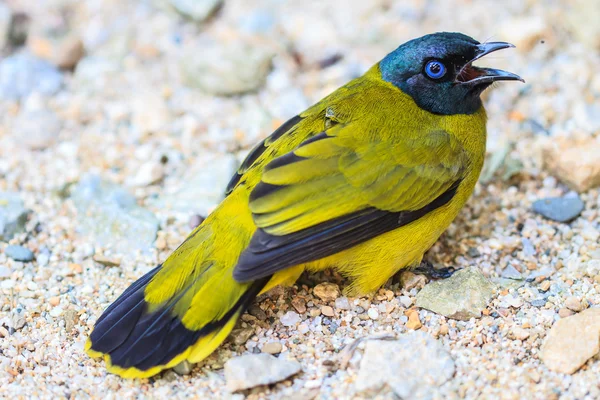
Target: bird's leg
[(426, 268)]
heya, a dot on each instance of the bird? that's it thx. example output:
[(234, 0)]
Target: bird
[(363, 182)]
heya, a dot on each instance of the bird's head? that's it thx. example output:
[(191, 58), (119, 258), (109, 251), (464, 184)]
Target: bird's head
[(436, 71)]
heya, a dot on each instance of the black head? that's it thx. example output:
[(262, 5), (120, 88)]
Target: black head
[(436, 71)]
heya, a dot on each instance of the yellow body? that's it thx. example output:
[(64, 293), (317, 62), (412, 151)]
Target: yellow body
[(377, 112)]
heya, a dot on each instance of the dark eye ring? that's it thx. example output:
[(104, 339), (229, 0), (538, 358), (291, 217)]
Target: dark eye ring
[(435, 69)]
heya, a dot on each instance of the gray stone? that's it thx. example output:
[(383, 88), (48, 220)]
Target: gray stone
[(19, 253), (462, 296), (227, 70), (203, 188), (196, 10), (511, 272), (183, 368), (290, 318), (413, 366), (23, 74), (37, 129), (13, 216), (342, 303), (560, 209), (253, 370), (4, 271), (111, 217)]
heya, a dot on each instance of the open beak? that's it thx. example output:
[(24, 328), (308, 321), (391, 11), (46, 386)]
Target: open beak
[(474, 76)]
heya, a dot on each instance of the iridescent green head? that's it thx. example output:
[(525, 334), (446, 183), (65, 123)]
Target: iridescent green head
[(436, 71)]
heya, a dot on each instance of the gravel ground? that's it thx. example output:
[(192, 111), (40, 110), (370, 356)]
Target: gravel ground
[(121, 123)]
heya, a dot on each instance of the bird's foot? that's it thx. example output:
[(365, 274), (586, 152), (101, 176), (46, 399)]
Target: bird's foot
[(426, 268)]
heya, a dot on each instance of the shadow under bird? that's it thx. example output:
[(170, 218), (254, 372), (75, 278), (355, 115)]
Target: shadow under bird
[(364, 182)]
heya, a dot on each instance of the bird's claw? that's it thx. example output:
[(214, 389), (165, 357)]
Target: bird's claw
[(426, 268)]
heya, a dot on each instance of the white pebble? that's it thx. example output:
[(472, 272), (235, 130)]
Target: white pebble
[(290, 318), (373, 313)]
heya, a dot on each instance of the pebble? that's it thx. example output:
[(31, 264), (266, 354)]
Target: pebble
[(414, 366), (272, 348), (64, 51), (328, 311), (13, 216), (560, 209), (299, 305), (373, 314), (327, 291), (572, 341), (112, 216), (252, 370), (414, 322), (106, 261), (195, 221), (37, 128), (574, 161), (227, 70), (405, 301), (19, 253), (4, 272), (183, 368), (342, 303), (565, 312), (511, 272), (447, 297), (290, 318), (573, 304), (410, 281), (241, 335), (22, 74), (520, 333)]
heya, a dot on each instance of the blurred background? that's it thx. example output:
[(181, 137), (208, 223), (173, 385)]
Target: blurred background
[(121, 123)]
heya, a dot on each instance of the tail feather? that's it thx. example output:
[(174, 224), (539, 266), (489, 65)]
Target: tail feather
[(137, 340)]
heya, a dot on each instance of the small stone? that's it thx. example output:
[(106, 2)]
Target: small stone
[(272, 348), (560, 209), (413, 366), (252, 370), (56, 312), (22, 74), (575, 162), (511, 272), (196, 10), (19, 253), (290, 318), (70, 317), (545, 286), (4, 272), (314, 312), (150, 115), (18, 319), (241, 336), (444, 329), (38, 128), (149, 173), (520, 333), (303, 328), (227, 70), (161, 243), (565, 312), (183, 368), (13, 215), (327, 291), (449, 297), (405, 301), (299, 304), (111, 217), (257, 312), (373, 314), (573, 304), (342, 303), (106, 261), (54, 301), (410, 281), (414, 322), (327, 311), (572, 341), (64, 51)]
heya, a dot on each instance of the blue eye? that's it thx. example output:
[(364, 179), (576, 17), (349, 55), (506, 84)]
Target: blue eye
[(435, 69)]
